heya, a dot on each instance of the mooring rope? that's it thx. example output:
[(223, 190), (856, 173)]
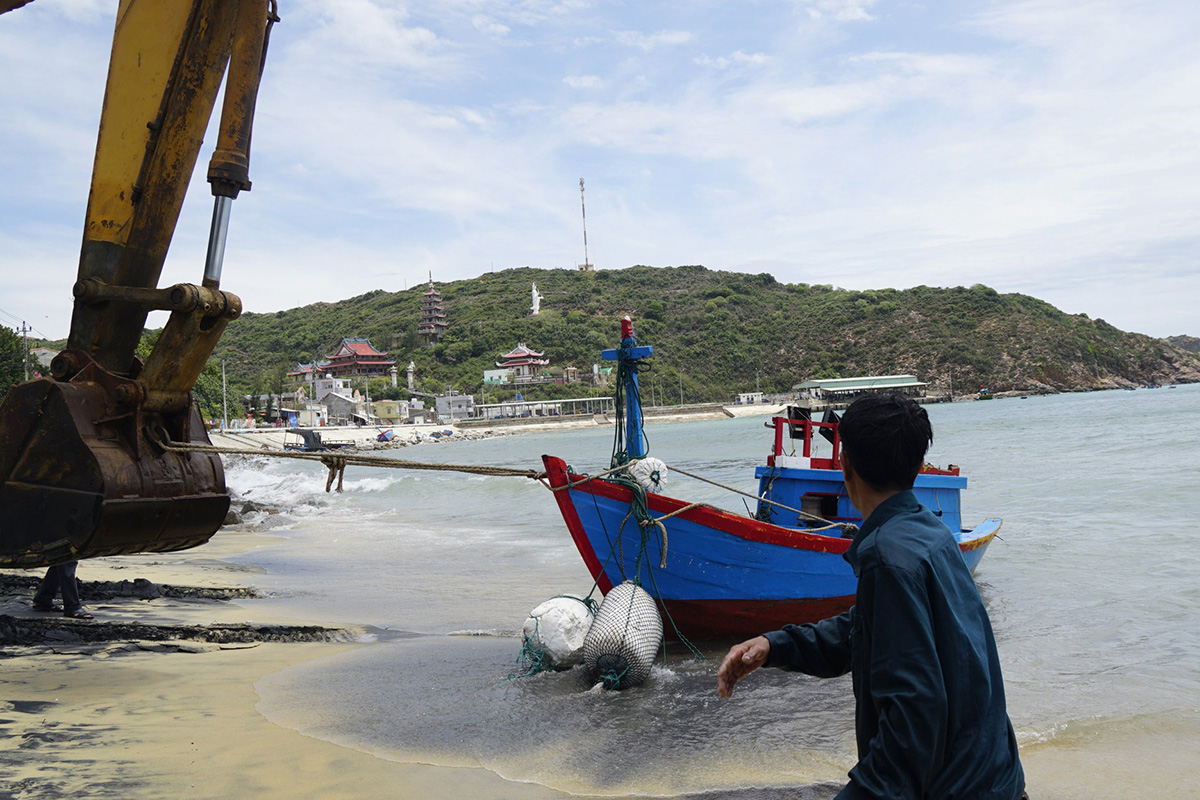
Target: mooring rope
[(796, 511), (337, 464), (805, 514)]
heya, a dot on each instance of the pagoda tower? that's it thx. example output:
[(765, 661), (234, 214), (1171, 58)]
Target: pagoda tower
[(433, 316)]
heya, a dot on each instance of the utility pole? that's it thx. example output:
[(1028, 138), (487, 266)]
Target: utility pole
[(224, 401), (681, 388), (25, 348), (587, 266)]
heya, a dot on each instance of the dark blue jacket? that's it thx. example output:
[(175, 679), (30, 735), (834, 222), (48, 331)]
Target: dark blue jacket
[(930, 717)]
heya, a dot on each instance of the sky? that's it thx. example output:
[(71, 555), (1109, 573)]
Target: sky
[(1047, 147)]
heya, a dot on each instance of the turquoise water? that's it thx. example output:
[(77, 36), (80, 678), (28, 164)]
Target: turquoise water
[(1093, 590)]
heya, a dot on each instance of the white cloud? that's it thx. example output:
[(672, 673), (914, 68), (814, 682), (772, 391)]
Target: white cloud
[(489, 26), (840, 10), (734, 59), (584, 81), (647, 42), (363, 35)]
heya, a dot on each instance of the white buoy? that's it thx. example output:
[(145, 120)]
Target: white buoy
[(650, 473), (557, 629), (624, 638)]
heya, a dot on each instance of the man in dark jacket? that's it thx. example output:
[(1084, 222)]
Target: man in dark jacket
[(930, 720)]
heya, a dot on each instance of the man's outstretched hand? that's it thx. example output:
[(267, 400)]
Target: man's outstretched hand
[(740, 661)]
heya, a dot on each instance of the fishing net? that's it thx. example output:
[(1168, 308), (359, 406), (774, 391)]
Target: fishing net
[(624, 638)]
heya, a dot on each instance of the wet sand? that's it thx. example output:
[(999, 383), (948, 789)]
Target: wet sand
[(112, 709), (156, 697)]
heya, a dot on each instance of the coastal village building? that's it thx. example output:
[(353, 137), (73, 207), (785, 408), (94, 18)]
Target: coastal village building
[(343, 409), (834, 389), (390, 412), (454, 406), (357, 357), (313, 415), (305, 375), (324, 385), (433, 316), (42, 356), (312, 382), (497, 377), (524, 363)]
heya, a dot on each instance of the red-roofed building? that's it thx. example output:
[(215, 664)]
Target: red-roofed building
[(526, 364), (357, 357), (306, 373)]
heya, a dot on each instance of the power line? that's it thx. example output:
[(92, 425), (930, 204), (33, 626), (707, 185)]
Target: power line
[(18, 321), (13, 317)]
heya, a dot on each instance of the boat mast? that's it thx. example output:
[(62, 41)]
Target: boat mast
[(628, 355)]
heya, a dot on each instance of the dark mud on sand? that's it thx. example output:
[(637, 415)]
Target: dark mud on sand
[(43, 629)]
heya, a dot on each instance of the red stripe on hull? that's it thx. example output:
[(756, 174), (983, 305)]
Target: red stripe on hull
[(556, 472)]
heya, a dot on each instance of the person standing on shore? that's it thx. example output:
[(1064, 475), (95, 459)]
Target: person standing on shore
[(930, 713), (60, 578)]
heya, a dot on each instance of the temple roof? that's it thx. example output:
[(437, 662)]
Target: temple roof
[(523, 362), (522, 351), (356, 347), (308, 369)]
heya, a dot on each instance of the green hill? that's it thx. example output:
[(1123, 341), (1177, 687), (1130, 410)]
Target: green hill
[(717, 333)]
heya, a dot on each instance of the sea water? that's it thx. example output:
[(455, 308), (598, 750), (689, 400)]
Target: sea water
[(1093, 588)]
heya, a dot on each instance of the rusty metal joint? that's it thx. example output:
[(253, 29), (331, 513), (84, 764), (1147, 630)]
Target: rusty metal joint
[(67, 363), (164, 400), (184, 297), (130, 393)]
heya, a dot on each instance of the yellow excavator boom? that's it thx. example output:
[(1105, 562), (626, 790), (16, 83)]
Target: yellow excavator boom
[(86, 462)]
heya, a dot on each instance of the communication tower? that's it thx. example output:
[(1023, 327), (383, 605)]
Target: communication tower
[(586, 266)]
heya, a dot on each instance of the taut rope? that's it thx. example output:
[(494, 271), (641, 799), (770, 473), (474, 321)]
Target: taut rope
[(336, 464)]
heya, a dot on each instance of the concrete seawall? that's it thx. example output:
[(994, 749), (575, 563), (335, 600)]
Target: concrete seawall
[(364, 437)]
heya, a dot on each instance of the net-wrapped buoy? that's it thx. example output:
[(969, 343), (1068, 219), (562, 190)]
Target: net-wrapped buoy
[(554, 632), (625, 637)]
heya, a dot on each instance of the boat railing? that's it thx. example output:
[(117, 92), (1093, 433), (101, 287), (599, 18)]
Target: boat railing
[(805, 429)]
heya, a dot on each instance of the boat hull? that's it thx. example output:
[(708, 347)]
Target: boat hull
[(716, 574)]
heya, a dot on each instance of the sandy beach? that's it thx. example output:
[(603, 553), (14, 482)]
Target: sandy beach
[(106, 709)]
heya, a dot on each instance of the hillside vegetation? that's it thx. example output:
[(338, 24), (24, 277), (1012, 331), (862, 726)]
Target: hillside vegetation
[(718, 333)]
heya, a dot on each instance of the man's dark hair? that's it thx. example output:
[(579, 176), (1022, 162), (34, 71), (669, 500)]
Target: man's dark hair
[(885, 437)]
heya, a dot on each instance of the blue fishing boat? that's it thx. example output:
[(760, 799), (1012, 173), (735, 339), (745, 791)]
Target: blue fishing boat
[(718, 574)]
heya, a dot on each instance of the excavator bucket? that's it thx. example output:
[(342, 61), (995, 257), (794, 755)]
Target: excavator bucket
[(86, 475)]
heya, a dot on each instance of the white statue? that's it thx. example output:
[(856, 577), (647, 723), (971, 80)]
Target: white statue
[(537, 300), (412, 368)]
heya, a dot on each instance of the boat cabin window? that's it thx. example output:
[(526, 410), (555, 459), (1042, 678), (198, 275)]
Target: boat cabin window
[(821, 505)]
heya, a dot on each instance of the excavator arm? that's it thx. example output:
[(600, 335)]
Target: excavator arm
[(87, 459)]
